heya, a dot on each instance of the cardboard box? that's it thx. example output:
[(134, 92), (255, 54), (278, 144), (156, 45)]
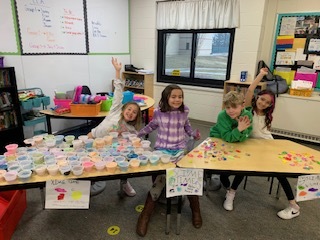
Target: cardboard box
[(85, 109)]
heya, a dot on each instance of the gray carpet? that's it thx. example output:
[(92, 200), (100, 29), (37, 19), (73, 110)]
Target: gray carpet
[(254, 215)]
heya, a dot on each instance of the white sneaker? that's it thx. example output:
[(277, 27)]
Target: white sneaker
[(228, 203), (128, 189), (288, 213)]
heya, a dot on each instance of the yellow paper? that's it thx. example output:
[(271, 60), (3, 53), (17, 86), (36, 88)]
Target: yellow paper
[(299, 43)]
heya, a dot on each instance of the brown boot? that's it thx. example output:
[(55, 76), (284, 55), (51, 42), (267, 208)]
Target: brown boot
[(142, 225), (195, 207)]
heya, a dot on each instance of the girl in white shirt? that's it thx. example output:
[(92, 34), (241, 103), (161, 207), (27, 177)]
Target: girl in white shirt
[(121, 118), (262, 108)]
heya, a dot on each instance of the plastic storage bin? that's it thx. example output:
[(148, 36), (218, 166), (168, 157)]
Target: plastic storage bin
[(65, 103), (85, 109), (127, 97), (106, 104), (301, 92), (12, 207)]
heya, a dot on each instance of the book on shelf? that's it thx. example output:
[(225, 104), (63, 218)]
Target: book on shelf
[(4, 79), (8, 119)]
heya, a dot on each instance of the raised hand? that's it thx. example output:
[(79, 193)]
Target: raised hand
[(117, 65)]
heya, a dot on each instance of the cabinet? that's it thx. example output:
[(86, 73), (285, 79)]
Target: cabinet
[(11, 129), (232, 85), (32, 100), (138, 83)]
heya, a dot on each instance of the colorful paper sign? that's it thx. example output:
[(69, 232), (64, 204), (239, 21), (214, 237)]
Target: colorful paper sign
[(184, 181), (308, 187), (67, 194)]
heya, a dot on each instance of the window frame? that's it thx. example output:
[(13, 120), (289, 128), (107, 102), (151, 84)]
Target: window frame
[(200, 82)]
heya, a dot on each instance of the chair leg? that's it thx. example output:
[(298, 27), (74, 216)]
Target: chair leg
[(271, 185), (278, 191), (168, 216), (245, 182)]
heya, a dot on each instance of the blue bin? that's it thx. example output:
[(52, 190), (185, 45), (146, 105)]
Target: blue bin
[(36, 102), (127, 97), (45, 100)]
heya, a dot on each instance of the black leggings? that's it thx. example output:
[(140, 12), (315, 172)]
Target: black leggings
[(224, 178), (286, 187)]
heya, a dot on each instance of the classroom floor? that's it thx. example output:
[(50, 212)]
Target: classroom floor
[(254, 215)]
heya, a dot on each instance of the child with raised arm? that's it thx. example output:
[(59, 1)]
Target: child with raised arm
[(233, 125), (121, 118), (171, 121), (262, 108)]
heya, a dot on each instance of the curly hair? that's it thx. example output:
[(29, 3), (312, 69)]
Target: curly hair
[(269, 110)]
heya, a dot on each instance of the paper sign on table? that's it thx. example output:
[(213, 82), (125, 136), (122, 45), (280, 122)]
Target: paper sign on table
[(184, 181), (308, 187), (67, 194)]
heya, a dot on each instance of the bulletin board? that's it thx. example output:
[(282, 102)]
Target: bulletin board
[(52, 26), (108, 26), (297, 41), (9, 40)]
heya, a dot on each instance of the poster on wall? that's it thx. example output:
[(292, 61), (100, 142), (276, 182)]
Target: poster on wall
[(288, 26), (67, 194)]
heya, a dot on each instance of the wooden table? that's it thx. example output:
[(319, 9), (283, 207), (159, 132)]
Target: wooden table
[(40, 181), (101, 115), (254, 157)]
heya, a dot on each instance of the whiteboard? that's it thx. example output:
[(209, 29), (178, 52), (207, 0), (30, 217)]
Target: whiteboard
[(52, 26), (108, 26), (9, 42)]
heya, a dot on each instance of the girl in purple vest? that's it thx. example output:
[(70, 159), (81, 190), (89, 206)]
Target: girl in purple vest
[(171, 121)]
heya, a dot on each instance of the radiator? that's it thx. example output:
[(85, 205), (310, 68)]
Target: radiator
[(296, 135)]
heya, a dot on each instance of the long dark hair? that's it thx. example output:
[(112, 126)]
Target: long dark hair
[(164, 104), (269, 110)]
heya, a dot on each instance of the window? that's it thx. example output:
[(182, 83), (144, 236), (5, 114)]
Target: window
[(195, 57)]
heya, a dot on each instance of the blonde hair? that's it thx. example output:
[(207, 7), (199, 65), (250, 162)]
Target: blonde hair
[(137, 121), (233, 99)]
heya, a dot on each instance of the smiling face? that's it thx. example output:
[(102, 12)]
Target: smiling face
[(263, 101), (175, 99), (130, 112), (234, 111)]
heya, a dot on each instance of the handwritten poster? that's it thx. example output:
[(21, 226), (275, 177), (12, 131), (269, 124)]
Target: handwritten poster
[(308, 187), (184, 181), (52, 26), (288, 26), (285, 58), (67, 194)]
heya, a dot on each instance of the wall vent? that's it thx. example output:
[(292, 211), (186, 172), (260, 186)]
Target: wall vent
[(296, 135)]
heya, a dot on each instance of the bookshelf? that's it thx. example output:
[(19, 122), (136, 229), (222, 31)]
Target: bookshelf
[(11, 127), (138, 82), (232, 85)]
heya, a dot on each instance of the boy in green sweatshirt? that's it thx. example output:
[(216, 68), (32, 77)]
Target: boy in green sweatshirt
[(233, 125)]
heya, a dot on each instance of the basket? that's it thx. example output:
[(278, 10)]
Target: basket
[(301, 92), (65, 103), (85, 109)]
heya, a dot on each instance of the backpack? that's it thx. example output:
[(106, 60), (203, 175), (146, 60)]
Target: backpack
[(275, 83)]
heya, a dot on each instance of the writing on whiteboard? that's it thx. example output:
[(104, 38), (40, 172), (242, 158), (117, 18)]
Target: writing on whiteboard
[(96, 29)]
